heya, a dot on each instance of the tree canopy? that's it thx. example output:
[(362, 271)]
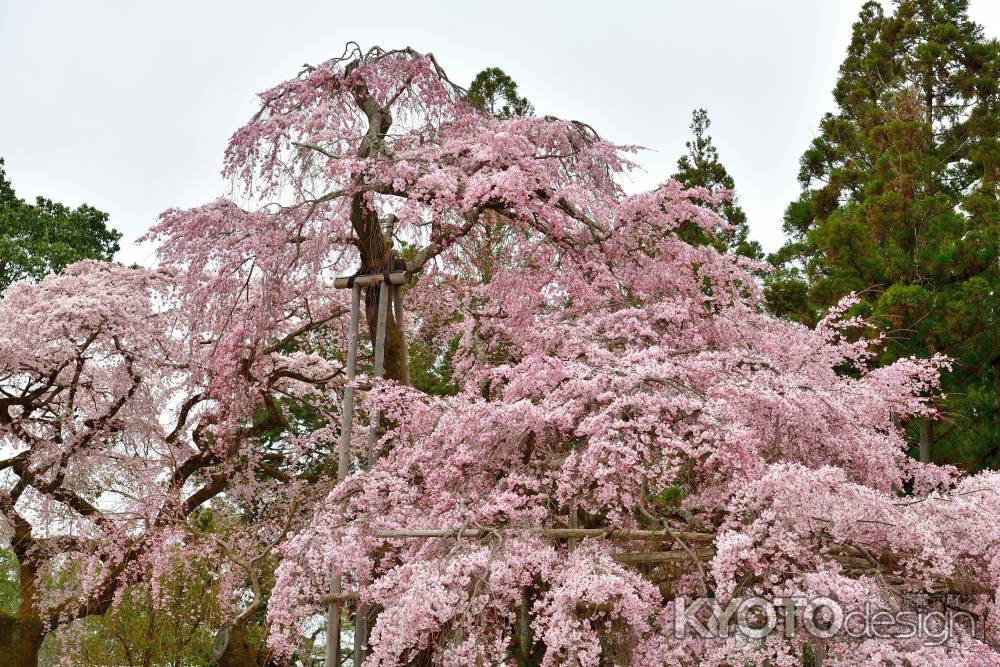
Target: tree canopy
[(494, 92), (700, 167), (40, 238), (900, 204)]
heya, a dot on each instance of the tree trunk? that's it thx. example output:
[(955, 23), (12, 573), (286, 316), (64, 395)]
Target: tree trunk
[(20, 639), (376, 255), (21, 633), (232, 649), (926, 438), (926, 426), (375, 248)]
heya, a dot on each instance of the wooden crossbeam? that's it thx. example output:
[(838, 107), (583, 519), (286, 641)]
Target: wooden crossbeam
[(854, 560), (553, 533), (370, 280)]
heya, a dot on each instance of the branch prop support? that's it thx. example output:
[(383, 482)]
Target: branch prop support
[(853, 559), (368, 279)]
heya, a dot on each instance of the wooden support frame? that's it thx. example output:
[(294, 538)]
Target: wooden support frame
[(379, 369), (554, 534), (853, 559), (370, 280), (390, 287)]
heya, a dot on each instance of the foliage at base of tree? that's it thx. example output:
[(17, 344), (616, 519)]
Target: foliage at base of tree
[(170, 624)]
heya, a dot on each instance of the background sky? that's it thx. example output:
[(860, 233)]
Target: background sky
[(128, 105)]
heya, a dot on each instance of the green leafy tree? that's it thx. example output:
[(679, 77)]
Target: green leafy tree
[(39, 238), (701, 167), (495, 93), (900, 204)]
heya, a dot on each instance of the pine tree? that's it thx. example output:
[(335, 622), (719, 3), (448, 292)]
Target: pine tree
[(494, 92), (701, 167), (900, 203)]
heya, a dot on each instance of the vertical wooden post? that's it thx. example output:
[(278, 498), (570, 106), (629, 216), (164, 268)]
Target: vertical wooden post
[(333, 611), (572, 660), (379, 371), (524, 632), (360, 634), (344, 450), (926, 439), (361, 614), (398, 315), (333, 623), (573, 520)]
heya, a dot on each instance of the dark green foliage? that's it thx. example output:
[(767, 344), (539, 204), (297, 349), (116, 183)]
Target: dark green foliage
[(39, 238), (701, 168), (495, 93), (900, 204), (431, 367)]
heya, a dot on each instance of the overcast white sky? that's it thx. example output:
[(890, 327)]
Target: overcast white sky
[(128, 105)]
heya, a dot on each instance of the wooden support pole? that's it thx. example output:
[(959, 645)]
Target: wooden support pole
[(344, 450), (333, 611), (851, 558), (819, 655), (360, 634), (677, 556), (362, 612), (379, 370), (572, 523), (572, 658), (333, 624), (524, 624)]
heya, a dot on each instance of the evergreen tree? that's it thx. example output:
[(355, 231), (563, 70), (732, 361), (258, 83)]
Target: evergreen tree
[(701, 167), (39, 238), (494, 92), (900, 204)]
